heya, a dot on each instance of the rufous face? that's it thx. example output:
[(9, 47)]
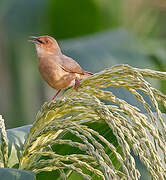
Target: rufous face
[(45, 44)]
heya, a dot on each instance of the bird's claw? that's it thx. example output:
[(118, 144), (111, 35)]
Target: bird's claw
[(77, 84)]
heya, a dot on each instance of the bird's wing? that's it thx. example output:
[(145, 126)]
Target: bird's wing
[(69, 65)]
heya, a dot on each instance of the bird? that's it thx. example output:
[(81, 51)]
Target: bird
[(57, 69)]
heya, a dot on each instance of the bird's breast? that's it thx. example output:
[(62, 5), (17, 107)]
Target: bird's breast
[(54, 75)]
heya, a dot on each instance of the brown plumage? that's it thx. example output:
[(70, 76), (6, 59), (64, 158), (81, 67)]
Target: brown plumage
[(58, 70)]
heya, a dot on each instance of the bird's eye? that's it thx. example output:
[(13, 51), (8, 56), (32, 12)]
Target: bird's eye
[(39, 41), (46, 41)]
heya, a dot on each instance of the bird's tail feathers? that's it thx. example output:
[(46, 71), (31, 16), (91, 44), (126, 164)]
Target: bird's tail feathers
[(87, 73)]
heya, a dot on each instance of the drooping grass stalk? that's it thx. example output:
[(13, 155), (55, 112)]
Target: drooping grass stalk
[(74, 111)]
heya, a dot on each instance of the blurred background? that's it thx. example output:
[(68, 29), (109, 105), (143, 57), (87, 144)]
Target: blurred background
[(96, 33)]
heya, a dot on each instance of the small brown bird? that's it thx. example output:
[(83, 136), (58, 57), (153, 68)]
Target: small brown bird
[(58, 70)]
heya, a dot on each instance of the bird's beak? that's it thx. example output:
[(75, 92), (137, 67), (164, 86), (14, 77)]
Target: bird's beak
[(33, 39)]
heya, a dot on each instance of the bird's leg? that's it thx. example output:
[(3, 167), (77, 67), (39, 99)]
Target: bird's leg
[(56, 95), (77, 84)]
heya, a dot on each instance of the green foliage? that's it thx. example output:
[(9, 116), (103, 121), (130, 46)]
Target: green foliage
[(16, 140), (15, 174), (11, 157), (73, 18)]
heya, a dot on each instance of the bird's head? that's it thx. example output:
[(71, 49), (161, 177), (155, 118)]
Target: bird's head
[(45, 45)]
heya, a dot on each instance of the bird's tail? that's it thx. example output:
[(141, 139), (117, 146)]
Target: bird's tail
[(86, 74)]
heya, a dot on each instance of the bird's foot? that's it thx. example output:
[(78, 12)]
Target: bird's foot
[(77, 84), (54, 97)]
